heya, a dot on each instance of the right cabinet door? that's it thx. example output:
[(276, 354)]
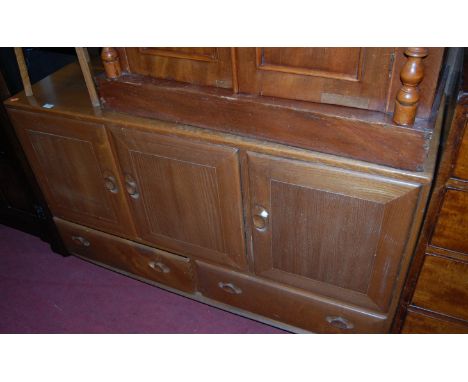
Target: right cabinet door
[(333, 232)]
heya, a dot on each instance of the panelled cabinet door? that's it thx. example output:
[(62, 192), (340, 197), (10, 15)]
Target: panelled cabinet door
[(74, 165), (334, 232), (354, 77), (198, 66), (185, 195)]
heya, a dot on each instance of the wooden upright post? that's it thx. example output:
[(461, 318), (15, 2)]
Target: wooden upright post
[(83, 59), (407, 98), (23, 72), (111, 62)]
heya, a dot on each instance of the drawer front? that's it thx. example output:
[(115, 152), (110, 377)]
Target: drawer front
[(284, 304), (149, 263), (451, 230), (443, 287), (419, 323)]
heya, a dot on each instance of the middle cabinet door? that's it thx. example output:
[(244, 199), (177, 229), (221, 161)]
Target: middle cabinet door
[(185, 195)]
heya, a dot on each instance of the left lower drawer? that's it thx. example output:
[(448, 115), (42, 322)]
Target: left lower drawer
[(150, 263)]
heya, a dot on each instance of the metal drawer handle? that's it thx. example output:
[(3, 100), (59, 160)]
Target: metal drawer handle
[(79, 240), (339, 322), (110, 184), (229, 288), (260, 218), (158, 266), (131, 187)]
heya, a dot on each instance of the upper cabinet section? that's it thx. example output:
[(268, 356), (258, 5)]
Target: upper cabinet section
[(362, 78), (198, 66), (372, 104), (355, 77)]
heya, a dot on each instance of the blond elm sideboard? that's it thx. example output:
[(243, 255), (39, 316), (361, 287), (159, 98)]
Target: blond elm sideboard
[(285, 184)]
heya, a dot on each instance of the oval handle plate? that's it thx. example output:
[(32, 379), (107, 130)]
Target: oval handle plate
[(339, 322), (158, 266), (80, 240), (131, 187), (110, 184), (229, 288), (260, 218)]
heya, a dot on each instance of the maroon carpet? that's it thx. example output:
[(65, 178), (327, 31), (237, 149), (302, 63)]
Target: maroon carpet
[(42, 292)]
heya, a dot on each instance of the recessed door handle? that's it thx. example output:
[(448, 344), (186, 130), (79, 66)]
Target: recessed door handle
[(110, 184), (339, 322), (158, 266), (131, 187), (260, 218), (80, 240), (229, 288)]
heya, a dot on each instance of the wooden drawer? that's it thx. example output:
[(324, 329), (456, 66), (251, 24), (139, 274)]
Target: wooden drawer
[(284, 304), (443, 287), (451, 231), (149, 263), (421, 323)]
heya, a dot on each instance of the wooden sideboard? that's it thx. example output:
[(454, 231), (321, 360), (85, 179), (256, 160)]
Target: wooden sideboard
[(235, 199)]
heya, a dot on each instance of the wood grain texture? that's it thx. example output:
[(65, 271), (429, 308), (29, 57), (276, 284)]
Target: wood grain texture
[(420, 323), (461, 164), (324, 75), (451, 230), (199, 66), (443, 287), (281, 303), (339, 63), (73, 163), (189, 199), (149, 263), (352, 133), (333, 232), (325, 226)]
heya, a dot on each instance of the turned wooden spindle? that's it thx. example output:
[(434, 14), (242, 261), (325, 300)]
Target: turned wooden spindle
[(111, 62), (407, 98)]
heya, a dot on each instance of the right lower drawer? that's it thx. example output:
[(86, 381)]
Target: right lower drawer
[(451, 230), (284, 304), (140, 260), (443, 287)]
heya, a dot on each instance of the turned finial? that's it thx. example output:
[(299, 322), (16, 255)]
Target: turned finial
[(111, 62), (407, 98)]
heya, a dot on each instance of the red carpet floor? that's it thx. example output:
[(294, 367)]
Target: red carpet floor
[(42, 292)]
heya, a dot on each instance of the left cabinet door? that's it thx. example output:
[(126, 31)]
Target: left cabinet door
[(73, 163)]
